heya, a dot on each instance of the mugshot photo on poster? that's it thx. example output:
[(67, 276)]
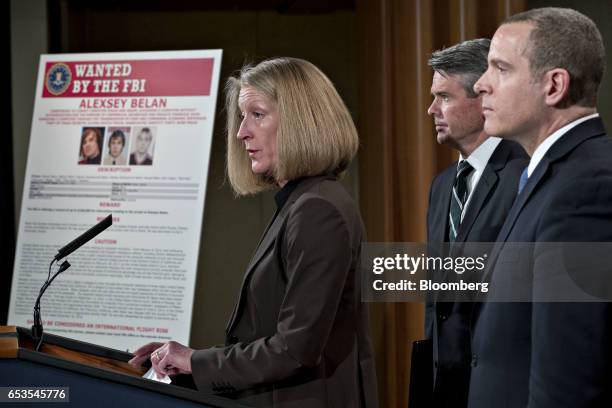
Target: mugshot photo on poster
[(143, 145), (115, 146), (90, 148)]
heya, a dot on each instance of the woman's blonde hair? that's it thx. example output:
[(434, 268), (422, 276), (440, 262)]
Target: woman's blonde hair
[(316, 134)]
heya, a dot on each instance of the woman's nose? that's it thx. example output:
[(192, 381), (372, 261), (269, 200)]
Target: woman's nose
[(243, 131)]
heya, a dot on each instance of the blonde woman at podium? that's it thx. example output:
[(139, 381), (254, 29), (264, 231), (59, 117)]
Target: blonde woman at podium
[(299, 333)]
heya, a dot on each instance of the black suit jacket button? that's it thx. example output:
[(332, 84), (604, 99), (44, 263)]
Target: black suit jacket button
[(436, 364), (474, 362), (442, 317)]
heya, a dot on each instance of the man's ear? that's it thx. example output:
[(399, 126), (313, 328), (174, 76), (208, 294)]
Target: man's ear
[(557, 82)]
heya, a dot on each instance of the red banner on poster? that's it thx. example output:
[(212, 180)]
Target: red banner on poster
[(172, 77)]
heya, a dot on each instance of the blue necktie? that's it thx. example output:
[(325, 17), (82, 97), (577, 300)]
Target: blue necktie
[(522, 181)]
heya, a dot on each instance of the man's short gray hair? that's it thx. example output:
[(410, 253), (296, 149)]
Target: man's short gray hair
[(565, 38), (467, 59)]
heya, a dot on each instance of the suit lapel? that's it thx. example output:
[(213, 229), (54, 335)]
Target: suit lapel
[(267, 239), (265, 244), (442, 208), (486, 183), (573, 138), (536, 179), (440, 230), (489, 178)]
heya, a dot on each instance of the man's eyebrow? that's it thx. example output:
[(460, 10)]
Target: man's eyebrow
[(495, 61)]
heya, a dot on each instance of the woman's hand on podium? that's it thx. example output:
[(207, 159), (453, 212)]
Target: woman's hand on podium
[(169, 358), (143, 353)]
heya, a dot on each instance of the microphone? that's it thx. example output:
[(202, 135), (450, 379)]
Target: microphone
[(83, 238), (37, 327)]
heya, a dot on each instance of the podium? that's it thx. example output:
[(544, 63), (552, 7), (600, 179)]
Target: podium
[(96, 376)]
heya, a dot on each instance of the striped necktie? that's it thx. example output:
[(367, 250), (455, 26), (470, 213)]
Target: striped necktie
[(458, 199)]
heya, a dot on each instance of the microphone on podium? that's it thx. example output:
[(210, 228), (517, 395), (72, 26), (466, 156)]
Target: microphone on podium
[(37, 327), (84, 237)]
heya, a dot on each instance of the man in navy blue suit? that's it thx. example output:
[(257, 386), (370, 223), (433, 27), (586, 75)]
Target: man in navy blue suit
[(540, 89), (468, 202)]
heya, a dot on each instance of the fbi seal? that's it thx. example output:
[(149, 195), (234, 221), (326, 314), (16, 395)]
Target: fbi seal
[(58, 78)]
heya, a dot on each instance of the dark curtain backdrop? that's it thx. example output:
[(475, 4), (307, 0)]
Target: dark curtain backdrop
[(399, 155)]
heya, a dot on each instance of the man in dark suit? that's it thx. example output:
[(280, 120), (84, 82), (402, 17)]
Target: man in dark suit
[(540, 89), (468, 201)]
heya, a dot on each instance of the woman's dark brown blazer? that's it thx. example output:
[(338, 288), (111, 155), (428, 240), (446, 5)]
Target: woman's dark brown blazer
[(299, 333)]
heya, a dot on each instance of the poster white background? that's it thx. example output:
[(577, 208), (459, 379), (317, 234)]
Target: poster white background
[(135, 282)]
